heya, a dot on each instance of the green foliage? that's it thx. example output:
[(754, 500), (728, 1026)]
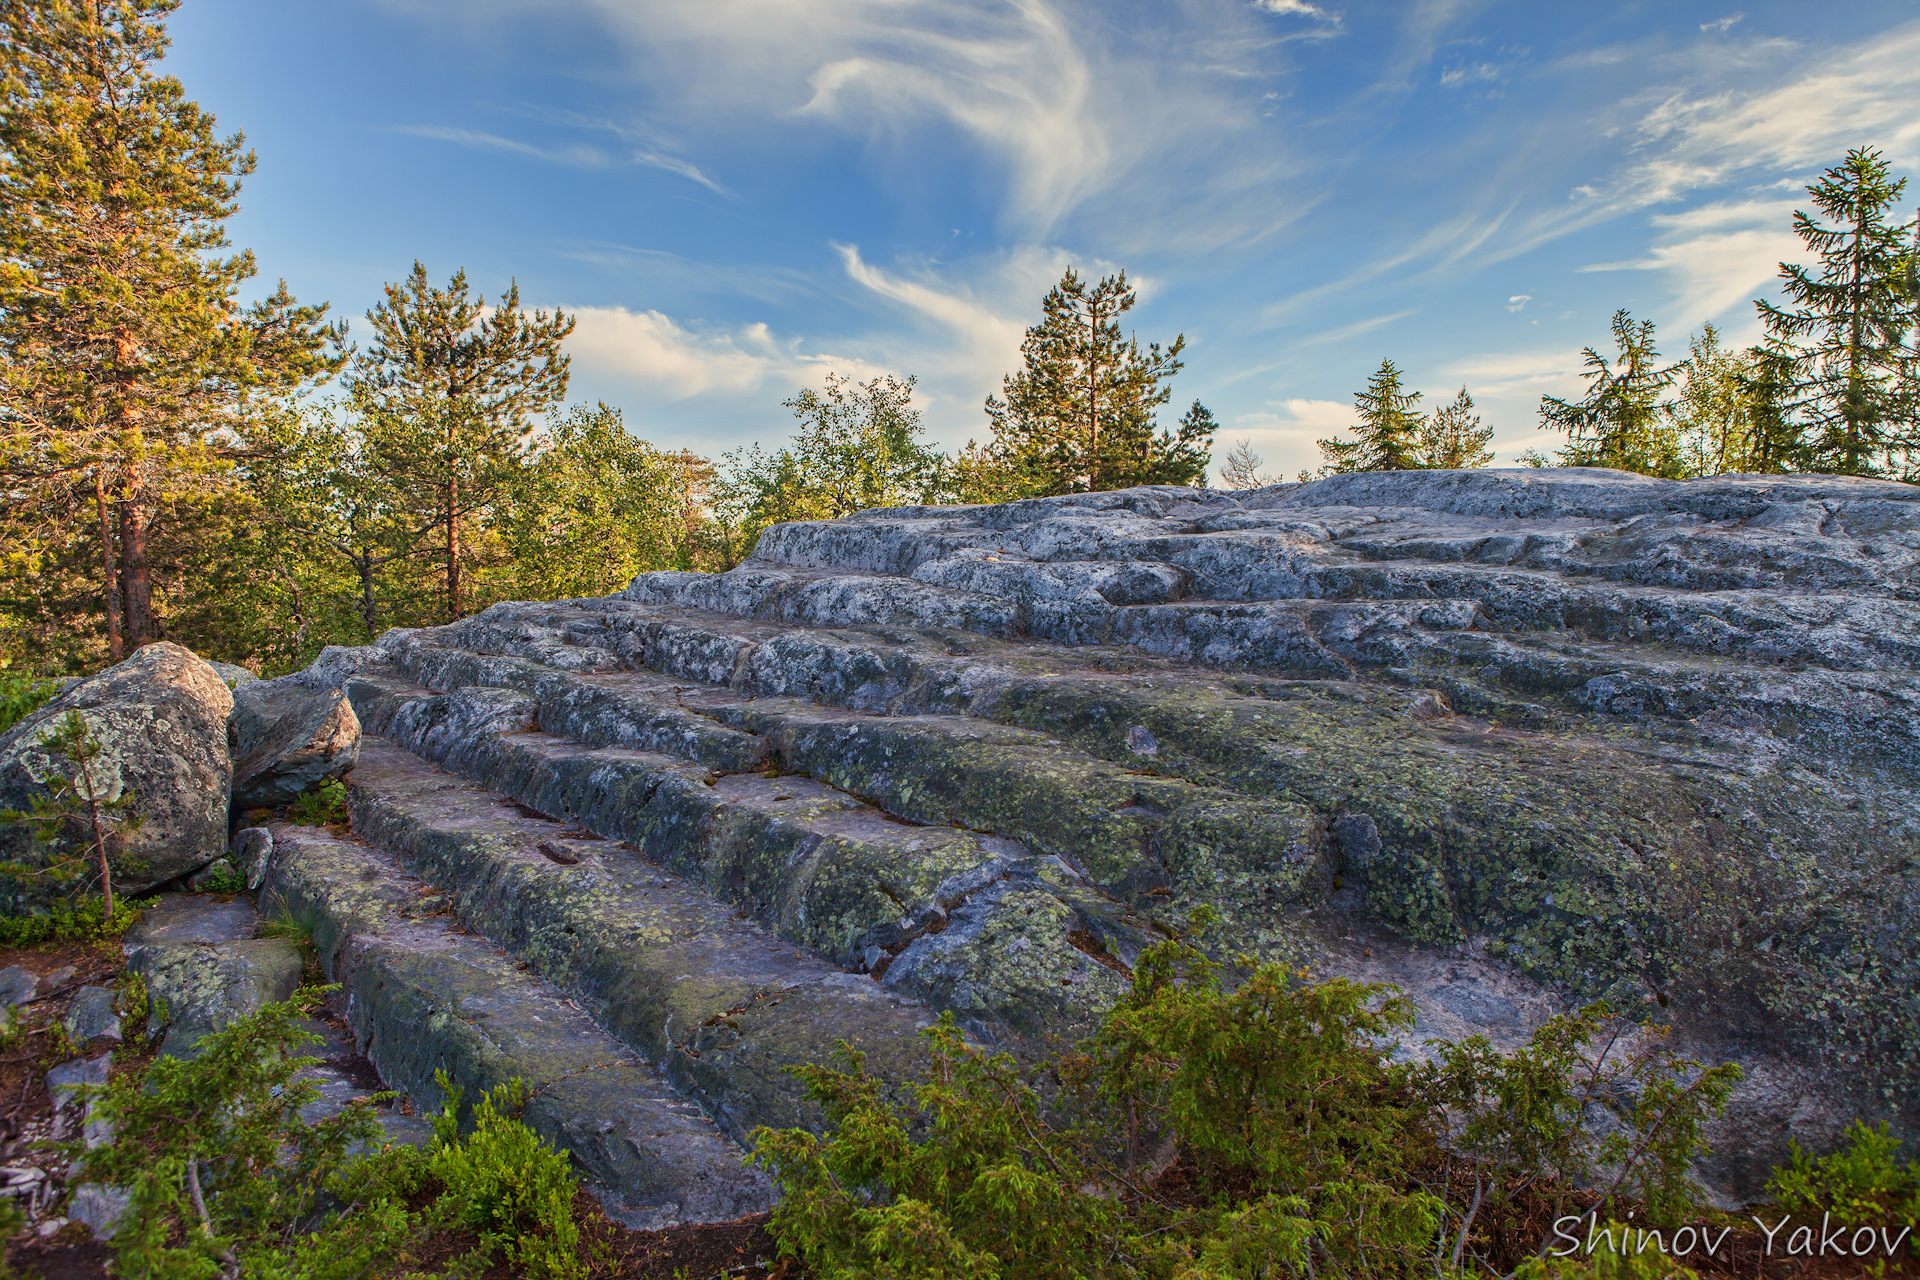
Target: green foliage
[(447, 392), (126, 361), (227, 1178), (1306, 1152), (595, 506), (1616, 1256), (222, 877), (961, 1171), (1079, 417), (1573, 1101), (1387, 437), (858, 447), (507, 1186), (214, 1151), (1864, 1181), (323, 806), (80, 821), (80, 921), (1621, 421), (1454, 437), (1841, 338), (20, 697)]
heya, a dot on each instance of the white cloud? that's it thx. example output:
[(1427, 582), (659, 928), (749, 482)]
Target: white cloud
[(1298, 8), (652, 350), (1718, 256), (1519, 301), (578, 155), (1869, 90), (1469, 73), (1722, 25)]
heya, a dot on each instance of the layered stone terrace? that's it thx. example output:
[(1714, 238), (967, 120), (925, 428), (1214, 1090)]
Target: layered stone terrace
[(1507, 739)]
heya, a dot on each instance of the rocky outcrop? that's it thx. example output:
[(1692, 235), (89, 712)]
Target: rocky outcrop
[(1512, 740), (287, 737), (161, 719)]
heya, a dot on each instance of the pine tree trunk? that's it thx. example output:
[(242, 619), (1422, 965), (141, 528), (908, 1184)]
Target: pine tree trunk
[(136, 579), (109, 581), (453, 551)]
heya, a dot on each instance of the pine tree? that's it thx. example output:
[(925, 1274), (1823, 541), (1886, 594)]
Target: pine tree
[(449, 391), (1080, 416), (1453, 437), (126, 362), (1845, 328), (1621, 422), (1387, 437)]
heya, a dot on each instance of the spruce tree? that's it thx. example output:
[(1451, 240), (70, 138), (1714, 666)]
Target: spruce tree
[(1621, 421), (1844, 329), (1080, 416), (128, 363), (449, 390), (1454, 437), (1387, 437)]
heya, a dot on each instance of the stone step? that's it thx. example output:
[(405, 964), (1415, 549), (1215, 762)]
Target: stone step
[(824, 870), (423, 995), (718, 1001)]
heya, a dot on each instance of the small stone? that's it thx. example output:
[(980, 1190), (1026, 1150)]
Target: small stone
[(1141, 741), (17, 985), (50, 1227), (101, 1208), (252, 852), (91, 1016), (68, 1076), (58, 978)]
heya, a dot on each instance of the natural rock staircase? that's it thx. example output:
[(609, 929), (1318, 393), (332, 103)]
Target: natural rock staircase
[(650, 851)]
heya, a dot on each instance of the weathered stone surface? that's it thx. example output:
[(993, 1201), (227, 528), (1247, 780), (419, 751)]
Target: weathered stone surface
[(17, 985), (1511, 740), (286, 738), (161, 716), (423, 996), (92, 1016), (204, 969), (251, 851)]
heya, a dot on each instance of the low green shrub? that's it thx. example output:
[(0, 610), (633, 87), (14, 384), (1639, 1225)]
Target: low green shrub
[(1863, 1181), (1298, 1148), (508, 1187), (81, 921), (324, 806), (226, 1177)]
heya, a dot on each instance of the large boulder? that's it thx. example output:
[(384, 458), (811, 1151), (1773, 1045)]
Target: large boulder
[(288, 737), (161, 718)]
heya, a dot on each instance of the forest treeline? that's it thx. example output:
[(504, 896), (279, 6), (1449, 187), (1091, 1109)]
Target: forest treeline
[(241, 479)]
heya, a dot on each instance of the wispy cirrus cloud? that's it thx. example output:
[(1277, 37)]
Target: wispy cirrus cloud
[(580, 155)]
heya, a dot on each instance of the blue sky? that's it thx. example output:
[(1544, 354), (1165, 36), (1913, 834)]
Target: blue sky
[(739, 196)]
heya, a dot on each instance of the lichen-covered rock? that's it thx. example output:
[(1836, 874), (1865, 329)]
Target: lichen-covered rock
[(1511, 740), (286, 738), (204, 969), (161, 717)]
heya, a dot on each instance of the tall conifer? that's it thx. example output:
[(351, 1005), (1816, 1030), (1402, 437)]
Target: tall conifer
[(1387, 437), (128, 365), (1621, 421), (1080, 416), (1844, 330), (450, 389)]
